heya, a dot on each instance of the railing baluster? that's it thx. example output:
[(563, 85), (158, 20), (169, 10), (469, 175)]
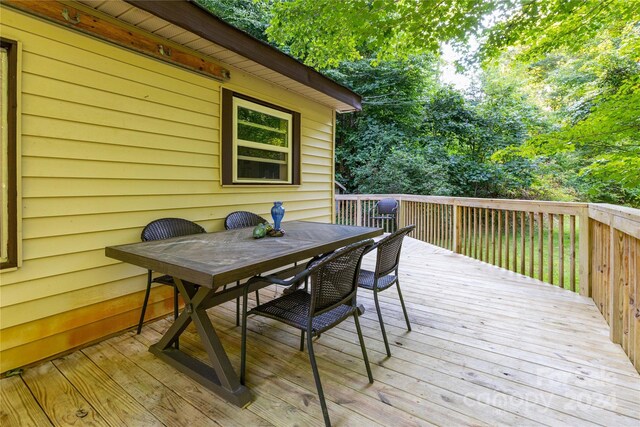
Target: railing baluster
[(506, 237), (437, 224), (540, 245), (493, 237), (499, 238), (514, 226), (432, 223), (442, 226), (486, 234), (572, 255), (452, 227), (422, 209), (479, 242), (531, 254), (446, 227), (469, 229), (550, 250), (462, 210), (466, 231), (522, 237), (561, 250), (475, 233), (427, 223)]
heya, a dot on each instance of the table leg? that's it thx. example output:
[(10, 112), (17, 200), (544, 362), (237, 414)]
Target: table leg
[(219, 377)]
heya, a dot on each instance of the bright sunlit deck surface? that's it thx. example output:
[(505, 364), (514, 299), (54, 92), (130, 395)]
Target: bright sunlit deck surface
[(488, 347)]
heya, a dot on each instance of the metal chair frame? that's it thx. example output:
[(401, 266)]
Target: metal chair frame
[(385, 209), (386, 274), (335, 313), (165, 228), (242, 219)]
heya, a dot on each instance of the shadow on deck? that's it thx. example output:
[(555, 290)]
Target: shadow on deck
[(488, 347)]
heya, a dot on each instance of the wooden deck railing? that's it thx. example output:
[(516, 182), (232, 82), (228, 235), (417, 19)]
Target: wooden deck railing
[(592, 249)]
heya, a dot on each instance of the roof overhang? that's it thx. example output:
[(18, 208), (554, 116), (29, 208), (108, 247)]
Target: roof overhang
[(188, 24)]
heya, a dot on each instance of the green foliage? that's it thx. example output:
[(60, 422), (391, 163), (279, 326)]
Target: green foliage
[(406, 170), (392, 111), (414, 135), (323, 33), (593, 94), (250, 16), (538, 27)]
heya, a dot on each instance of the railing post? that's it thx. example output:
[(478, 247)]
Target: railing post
[(457, 228), (584, 253), (358, 211)]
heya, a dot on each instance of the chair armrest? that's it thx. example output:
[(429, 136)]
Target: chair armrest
[(374, 246), (275, 280), (269, 279)]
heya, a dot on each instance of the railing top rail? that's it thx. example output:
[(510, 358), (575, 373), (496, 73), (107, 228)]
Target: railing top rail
[(569, 208), (620, 217), (621, 211)]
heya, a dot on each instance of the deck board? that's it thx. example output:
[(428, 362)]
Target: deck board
[(18, 407), (487, 347)]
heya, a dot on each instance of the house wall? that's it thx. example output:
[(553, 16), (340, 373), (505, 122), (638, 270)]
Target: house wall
[(112, 140)]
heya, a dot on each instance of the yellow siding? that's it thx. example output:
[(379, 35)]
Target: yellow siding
[(110, 141)]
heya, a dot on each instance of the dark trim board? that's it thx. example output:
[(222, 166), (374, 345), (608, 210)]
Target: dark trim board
[(12, 173), (190, 16), (227, 139)]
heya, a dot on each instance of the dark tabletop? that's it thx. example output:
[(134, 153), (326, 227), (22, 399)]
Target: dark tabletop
[(216, 259)]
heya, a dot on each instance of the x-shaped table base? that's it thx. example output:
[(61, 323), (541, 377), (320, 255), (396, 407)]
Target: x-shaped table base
[(220, 377)]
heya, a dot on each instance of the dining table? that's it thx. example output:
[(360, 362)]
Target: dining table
[(206, 268)]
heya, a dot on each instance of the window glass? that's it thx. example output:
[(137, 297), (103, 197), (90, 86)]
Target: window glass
[(262, 143)]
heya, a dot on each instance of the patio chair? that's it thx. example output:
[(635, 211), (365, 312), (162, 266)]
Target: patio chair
[(242, 219), (159, 229), (332, 299), (385, 210), (386, 273)]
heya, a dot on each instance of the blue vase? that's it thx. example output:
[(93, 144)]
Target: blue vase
[(277, 213)]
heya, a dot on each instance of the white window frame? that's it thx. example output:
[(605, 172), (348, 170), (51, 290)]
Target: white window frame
[(236, 142)]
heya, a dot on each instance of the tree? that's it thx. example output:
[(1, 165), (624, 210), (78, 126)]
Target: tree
[(323, 33), (393, 94), (251, 16), (593, 94)]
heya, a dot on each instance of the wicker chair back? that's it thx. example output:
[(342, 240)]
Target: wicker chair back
[(242, 219), (388, 256), (166, 228), (335, 279)]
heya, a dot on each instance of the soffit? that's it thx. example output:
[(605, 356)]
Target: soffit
[(144, 20)]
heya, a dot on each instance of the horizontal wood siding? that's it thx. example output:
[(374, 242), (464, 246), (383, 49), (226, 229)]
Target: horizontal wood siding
[(110, 141)]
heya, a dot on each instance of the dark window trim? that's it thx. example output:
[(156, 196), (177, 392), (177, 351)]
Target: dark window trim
[(227, 139), (12, 191)]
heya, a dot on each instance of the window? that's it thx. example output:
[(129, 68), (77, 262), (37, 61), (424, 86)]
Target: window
[(8, 176), (260, 142)]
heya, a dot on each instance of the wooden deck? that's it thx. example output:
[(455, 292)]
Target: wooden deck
[(488, 347)]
